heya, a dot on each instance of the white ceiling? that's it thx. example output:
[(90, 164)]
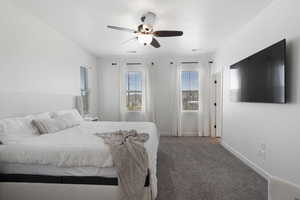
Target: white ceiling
[(206, 23)]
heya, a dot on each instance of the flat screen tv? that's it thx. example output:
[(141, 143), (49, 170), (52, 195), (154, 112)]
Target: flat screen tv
[(260, 77)]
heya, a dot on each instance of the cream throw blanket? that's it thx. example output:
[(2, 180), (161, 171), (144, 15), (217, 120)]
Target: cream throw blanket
[(131, 161)]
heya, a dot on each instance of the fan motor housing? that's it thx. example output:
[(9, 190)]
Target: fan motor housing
[(148, 18), (145, 29)]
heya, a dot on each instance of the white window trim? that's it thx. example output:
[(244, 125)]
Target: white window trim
[(180, 89), (124, 74)]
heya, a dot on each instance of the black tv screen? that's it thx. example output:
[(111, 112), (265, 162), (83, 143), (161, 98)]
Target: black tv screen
[(260, 77)]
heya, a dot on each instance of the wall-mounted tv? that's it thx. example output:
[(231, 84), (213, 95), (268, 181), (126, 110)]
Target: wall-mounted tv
[(260, 77)]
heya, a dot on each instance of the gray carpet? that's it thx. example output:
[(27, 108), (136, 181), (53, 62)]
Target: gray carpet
[(193, 168)]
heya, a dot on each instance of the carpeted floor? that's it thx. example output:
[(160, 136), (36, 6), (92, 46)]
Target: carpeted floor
[(195, 168)]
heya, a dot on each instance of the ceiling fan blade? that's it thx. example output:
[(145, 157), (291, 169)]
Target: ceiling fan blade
[(122, 29), (125, 42), (155, 43), (167, 33)]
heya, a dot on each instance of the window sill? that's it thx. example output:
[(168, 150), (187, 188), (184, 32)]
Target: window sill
[(135, 111), (190, 111)]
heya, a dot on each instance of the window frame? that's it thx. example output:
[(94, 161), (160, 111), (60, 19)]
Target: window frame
[(180, 90), (142, 71)]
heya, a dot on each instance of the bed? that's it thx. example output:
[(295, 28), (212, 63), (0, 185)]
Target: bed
[(69, 163)]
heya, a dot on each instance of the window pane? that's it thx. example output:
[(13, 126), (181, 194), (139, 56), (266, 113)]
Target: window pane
[(190, 90), (134, 91), (84, 88)]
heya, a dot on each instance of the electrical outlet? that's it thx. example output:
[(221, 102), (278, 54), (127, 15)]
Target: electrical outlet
[(263, 146), (262, 151)]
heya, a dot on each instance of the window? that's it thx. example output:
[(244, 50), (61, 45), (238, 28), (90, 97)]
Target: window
[(84, 88), (190, 90), (134, 90)]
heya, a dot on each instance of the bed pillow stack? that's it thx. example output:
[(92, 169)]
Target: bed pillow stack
[(13, 130), (56, 124)]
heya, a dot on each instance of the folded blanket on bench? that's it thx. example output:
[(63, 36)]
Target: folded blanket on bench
[(131, 161)]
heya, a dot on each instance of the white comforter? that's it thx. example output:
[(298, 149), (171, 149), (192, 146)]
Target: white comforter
[(79, 147)]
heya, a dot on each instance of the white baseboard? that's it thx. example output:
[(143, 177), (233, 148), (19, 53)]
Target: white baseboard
[(185, 133), (164, 133), (278, 189), (189, 133), (248, 162)]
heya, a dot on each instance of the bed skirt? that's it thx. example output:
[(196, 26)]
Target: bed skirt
[(83, 180), (52, 191), (37, 187)]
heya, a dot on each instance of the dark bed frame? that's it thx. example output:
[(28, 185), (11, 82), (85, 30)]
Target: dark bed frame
[(86, 180)]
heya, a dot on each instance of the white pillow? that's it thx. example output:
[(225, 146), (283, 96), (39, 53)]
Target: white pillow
[(13, 130), (68, 119), (51, 125), (55, 124), (45, 115), (74, 112)]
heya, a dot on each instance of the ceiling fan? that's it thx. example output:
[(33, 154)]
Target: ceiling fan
[(145, 33)]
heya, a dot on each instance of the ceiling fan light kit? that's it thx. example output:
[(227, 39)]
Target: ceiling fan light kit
[(145, 38), (145, 33)]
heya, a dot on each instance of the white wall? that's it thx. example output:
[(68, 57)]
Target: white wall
[(35, 59), (109, 88), (247, 125)]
